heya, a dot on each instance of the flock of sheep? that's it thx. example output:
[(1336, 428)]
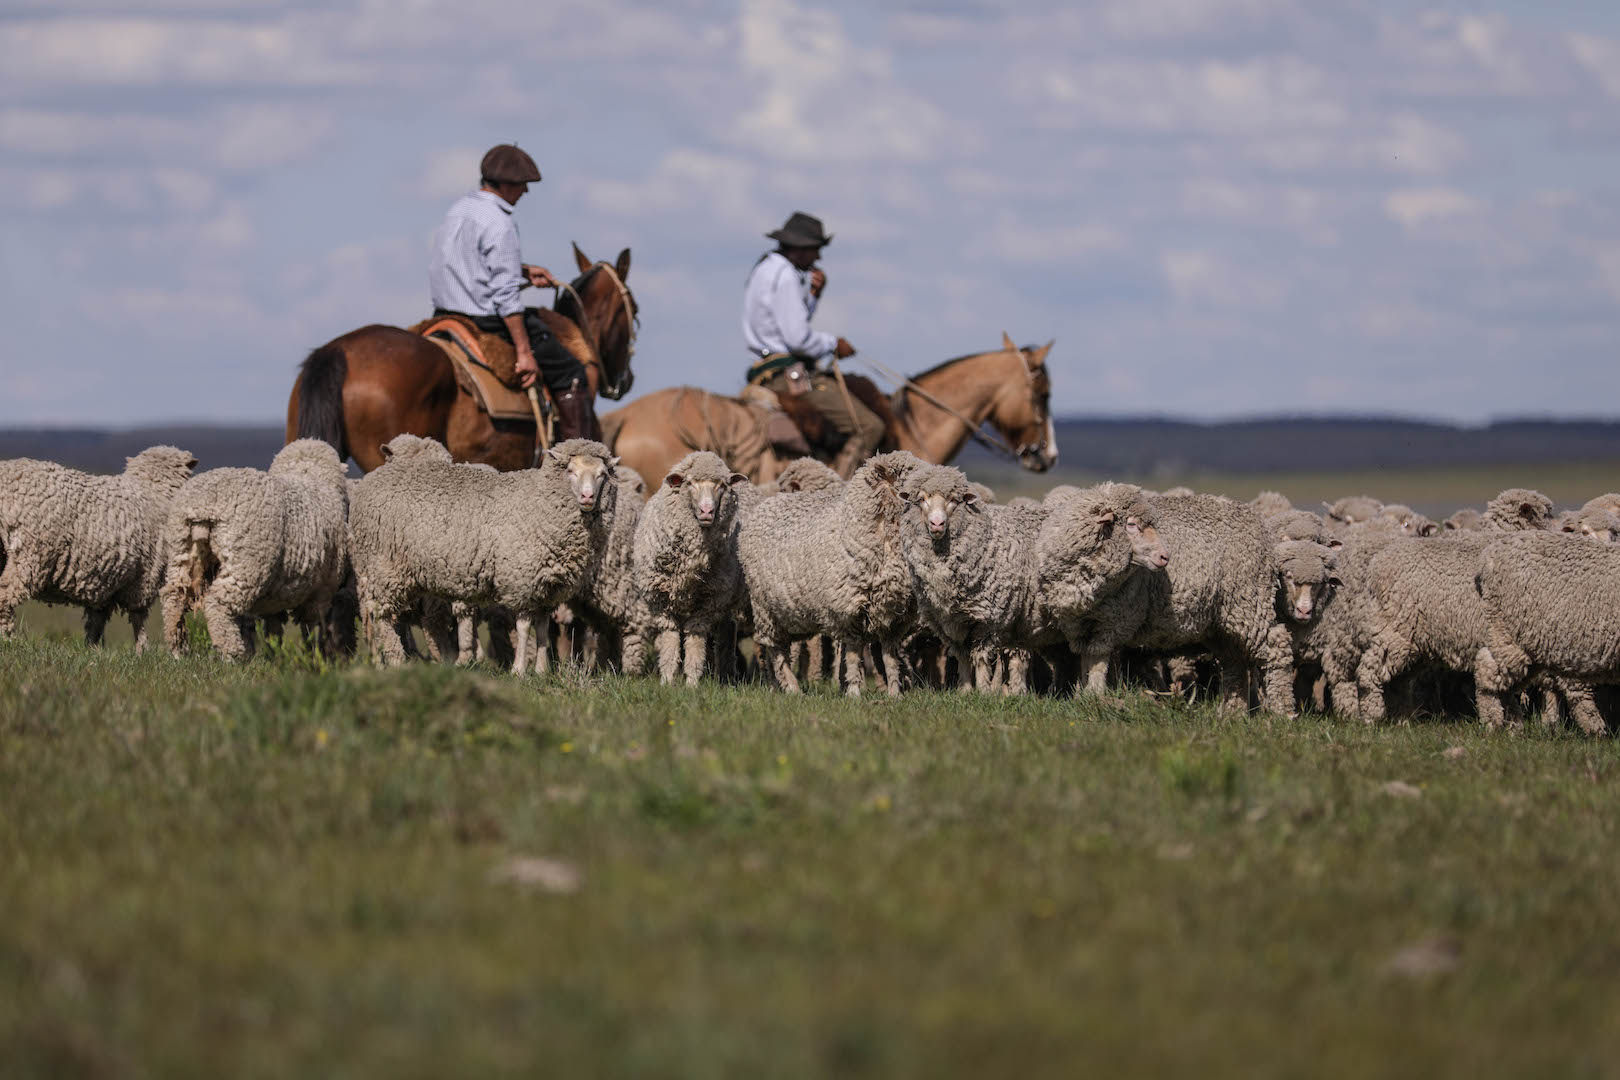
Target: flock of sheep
[(906, 562)]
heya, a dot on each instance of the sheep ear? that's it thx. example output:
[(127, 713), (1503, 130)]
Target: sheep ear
[(1428, 529), (970, 499), (555, 455), (191, 463), (1107, 517), (613, 461), (674, 480), (795, 485), (1528, 511), (387, 452), (737, 478), (1333, 580)]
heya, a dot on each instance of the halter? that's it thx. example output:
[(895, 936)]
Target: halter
[(621, 384), (995, 442)]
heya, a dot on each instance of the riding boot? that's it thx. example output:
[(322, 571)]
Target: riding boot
[(855, 451), (576, 419)]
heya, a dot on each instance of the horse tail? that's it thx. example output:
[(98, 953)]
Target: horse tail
[(320, 397)]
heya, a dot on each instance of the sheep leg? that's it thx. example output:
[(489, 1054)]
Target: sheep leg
[(542, 653), (1017, 672), (14, 589), (520, 654), (466, 639), (854, 677), (667, 643), (984, 663), (95, 624), (964, 667), (174, 617), (223, 629), (694, 643), (137, 627), (1583, 705), (780, 669), (1278, 667), (633, 653), (1094, 657), (893, 657)]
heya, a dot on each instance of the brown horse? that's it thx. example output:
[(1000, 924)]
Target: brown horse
[(360, 390), (932, 416)]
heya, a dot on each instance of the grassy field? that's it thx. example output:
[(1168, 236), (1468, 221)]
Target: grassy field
[(1435, 492), (283, 869)]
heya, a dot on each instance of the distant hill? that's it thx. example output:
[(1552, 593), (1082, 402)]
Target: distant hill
[(1135, 446)]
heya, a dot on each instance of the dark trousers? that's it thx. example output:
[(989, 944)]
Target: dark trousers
[(559, 369)]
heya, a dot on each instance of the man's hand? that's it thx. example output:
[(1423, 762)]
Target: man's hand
[(818, 281), (527, 370), (843, 349), (539, 277)]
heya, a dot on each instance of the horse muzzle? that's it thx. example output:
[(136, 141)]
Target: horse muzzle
[(619, 386)]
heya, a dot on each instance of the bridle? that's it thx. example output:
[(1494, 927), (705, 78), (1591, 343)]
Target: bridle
[(995, 441), (620, 385)]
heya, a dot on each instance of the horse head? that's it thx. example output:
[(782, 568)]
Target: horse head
[(1022, 410), (601, 302)]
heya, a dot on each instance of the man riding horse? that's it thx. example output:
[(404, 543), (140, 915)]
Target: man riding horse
[(778, 302), (477, 273)]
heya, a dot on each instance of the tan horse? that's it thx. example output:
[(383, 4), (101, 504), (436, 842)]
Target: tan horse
[(1008, 388), (360, 390)]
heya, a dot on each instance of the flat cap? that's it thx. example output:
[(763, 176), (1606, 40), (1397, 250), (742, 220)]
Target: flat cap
[(506, 164)]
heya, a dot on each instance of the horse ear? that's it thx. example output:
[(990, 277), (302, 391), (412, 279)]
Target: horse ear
[(623, 265), (580, 260), (1038, 356), (674, 480), (1007, 342)]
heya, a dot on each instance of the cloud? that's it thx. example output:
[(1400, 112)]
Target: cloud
[(1022, 243), (1411, 207), (1204, 278), (1601, 58)]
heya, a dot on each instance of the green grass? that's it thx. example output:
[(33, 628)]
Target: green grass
[(281, 869), (1436, 492)]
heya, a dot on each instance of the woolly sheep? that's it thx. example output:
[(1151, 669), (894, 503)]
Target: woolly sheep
[(1296, 525), (1023, 501), (1180, 491), (1518, 508), (1551, 604), (687, 573), (1592, 522), (986, 494), (523, 540), (806, 474), (829, 562), (1219, 592), (1465, 520), (69, 537), (1307, 584), (1610, 502), (245, 543), (1406, 520), (1271, 503)]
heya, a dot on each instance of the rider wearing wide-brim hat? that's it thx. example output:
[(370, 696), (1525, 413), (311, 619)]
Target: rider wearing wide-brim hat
[(478, 272), (779, 300)]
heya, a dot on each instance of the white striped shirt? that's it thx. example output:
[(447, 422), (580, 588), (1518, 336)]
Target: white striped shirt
[(476, 268), (777, 305)]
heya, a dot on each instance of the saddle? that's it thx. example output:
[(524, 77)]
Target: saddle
[(792, 422), (485, 364)]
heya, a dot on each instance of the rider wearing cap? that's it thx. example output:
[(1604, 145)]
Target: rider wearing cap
[(477, 272), (778, 302)]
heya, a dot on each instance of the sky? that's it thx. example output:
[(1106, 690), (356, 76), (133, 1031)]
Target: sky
[(1216, 208)]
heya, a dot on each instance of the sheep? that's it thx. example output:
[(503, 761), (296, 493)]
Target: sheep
[(1419, 602), (245, 543), (1550, 605), (1297, 525), (1180, 491), (1271, 503), (606, 600), (1609, 502), (1023, 501), (985, 493), (829, 562), (1518, 508), (807, 474), (1592, 522), (1307, 583), (523, 540), (687, 575), (69, 537), (1353, 509), (1218, 591), (1406, 520), (1465, 520)]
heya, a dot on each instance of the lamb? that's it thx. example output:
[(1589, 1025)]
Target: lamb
[(523, 540), (245, 543), (1307, 583), (686, 569), (1551, 605), (830, 562), (1518, 508), (69, 537)]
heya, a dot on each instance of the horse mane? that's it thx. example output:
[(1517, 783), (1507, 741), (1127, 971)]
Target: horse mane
[(943, 364)]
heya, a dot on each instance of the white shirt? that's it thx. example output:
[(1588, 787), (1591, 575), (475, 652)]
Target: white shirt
[(476, 268), (777, 306)]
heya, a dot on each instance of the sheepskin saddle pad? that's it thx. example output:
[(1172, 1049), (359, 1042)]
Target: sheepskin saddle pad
[(485, 365)]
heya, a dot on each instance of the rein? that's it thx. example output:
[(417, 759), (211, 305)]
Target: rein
[(999, 445), (621, 384)]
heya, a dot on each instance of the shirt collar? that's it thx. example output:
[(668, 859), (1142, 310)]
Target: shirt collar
[(490, 196)]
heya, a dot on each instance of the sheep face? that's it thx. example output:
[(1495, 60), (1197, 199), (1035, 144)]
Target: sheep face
[(586, 476), (1599, 526), (705, 497), (1147, 546), (1306, 579), (939, 507)]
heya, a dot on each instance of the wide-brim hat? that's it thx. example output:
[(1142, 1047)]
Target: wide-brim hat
[(506, 164), (801, 230)]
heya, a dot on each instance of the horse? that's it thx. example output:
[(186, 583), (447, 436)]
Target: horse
[(932, 415), (360, 390)]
